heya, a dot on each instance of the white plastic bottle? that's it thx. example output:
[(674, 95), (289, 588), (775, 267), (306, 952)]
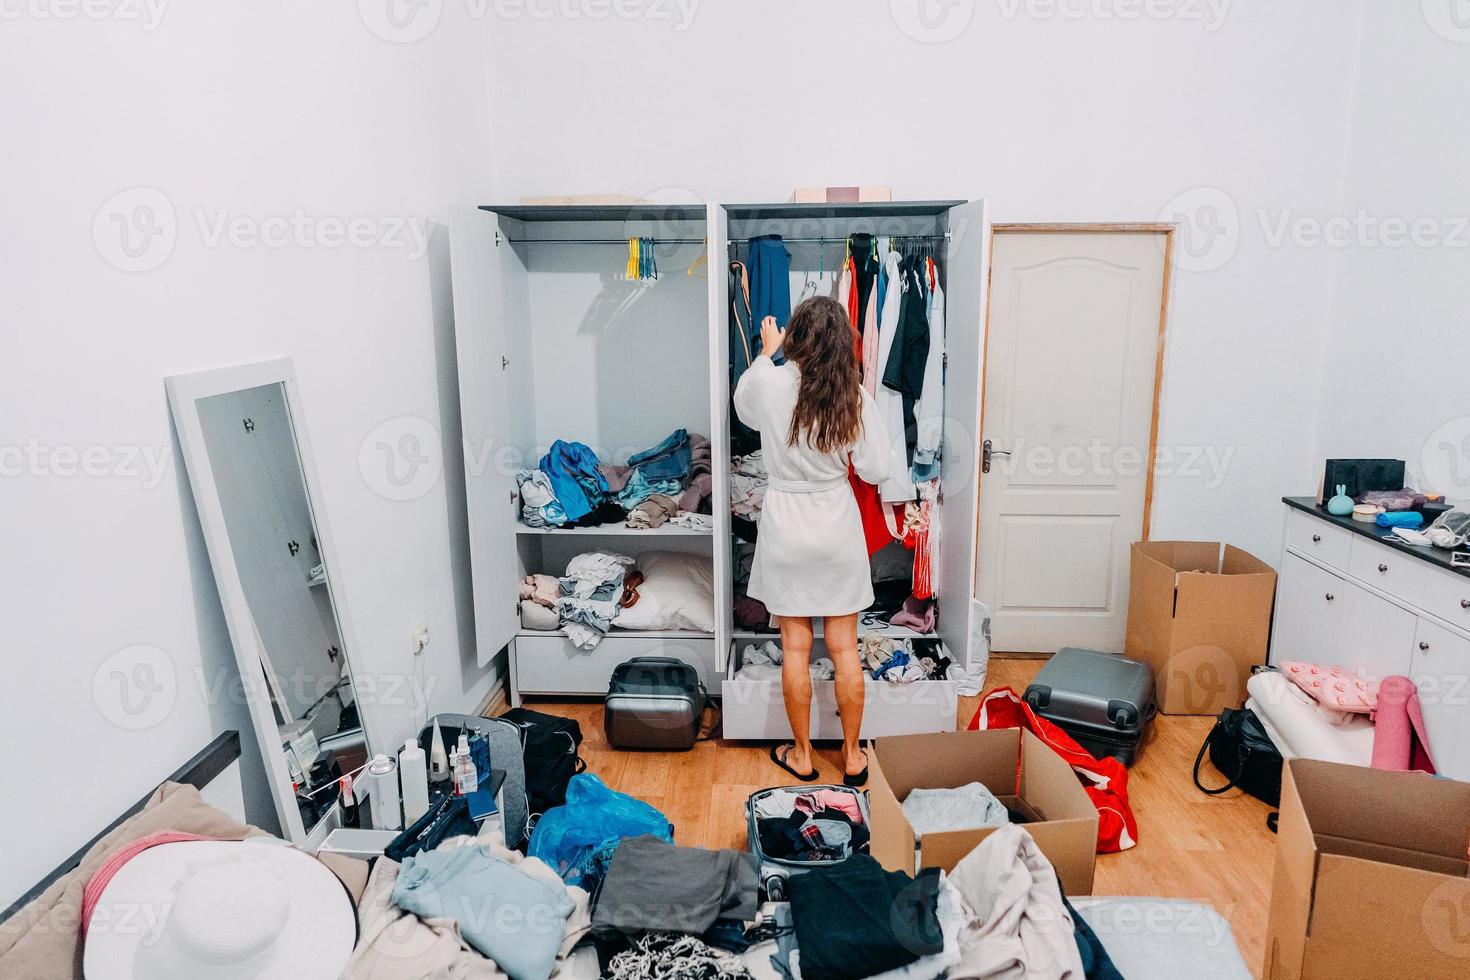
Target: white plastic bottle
[(383, 773), (466, 780), (413, 774), (438, 758)]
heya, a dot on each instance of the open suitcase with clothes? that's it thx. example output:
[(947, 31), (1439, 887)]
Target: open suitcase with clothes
[(796, 828)]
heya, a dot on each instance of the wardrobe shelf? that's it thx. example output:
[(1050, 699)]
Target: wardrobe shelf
[(615, 634), (615, 529), (884, 629)]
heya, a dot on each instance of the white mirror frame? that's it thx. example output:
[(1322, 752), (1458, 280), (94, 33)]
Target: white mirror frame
[(184, 390)]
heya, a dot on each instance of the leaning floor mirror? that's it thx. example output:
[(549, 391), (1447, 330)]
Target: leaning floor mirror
[(250, 467)]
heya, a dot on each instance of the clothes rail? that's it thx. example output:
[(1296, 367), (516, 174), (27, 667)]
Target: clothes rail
[(603, 241), (823, 241)]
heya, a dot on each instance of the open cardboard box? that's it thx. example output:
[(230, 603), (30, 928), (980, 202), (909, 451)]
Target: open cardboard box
[(1371, 875), (1013, 764), (1199, 616)]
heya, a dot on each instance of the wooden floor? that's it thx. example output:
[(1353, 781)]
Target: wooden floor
[(1211, 849)]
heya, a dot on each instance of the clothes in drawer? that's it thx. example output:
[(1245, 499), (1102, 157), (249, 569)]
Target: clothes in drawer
[(1315, 537), (1394, 572), (1447, 595), (754, 708), (550, 664)]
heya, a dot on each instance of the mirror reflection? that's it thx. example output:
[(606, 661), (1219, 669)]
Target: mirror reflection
[(254, 456)]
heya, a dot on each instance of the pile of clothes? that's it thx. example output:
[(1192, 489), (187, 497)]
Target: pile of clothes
[(584, 602), (813, 825), (1000, 913), (903, 661), (573, 488), (427, 916), (762, 662)]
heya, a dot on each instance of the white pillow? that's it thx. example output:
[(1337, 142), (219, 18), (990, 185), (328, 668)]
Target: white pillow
[(678, 593)]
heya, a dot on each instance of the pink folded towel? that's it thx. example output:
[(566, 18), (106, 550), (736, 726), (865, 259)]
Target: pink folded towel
[(1399, 739)]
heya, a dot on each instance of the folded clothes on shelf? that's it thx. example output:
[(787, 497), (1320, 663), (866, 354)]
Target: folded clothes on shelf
[(592, 592), (571, 486)]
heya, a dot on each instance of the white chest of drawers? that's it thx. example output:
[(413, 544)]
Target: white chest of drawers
[(1345, 597)]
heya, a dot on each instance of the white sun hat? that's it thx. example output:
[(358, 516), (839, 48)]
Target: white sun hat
[(220, 910)]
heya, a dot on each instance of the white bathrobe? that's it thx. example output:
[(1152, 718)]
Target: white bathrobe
[(810, 557)]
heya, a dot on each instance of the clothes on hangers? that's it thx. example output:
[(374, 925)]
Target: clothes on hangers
[(903, 371), (899, 486), (744, 333), (770, 281), (929, 410)]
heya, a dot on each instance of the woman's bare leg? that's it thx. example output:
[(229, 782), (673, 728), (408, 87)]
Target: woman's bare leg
[(796, 687), (840, 632)]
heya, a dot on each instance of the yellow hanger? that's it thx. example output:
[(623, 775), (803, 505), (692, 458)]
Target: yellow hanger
[(701, 263), (633, 259)]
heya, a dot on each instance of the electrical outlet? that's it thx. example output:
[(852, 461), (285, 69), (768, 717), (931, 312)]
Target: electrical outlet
[(418, 637)]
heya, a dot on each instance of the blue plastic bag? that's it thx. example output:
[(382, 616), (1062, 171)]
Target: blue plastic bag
[(578, 839)]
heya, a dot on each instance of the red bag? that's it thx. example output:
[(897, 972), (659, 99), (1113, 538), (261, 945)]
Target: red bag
[(1104, 780)]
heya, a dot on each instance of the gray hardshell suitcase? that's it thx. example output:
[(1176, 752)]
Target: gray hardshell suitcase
[(775, 871), (654, 703), (1103, 700)]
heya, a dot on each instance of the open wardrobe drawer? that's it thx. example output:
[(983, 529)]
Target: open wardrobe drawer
[(550, 664), (752, 706)]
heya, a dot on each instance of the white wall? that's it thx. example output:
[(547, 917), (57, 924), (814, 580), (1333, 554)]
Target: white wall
[(252, 110), (1398, 367), (1051, 118)]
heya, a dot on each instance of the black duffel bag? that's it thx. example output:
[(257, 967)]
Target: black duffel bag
[(550, 744), (1240, 748)]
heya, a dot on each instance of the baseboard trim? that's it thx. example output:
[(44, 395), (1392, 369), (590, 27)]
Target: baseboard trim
[(496, 703)]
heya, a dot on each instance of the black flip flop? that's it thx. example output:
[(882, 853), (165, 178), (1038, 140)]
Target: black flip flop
[(780, 761), (861, 779)]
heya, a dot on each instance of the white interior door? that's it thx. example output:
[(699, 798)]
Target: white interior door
[(1069, 395), (485, 274)]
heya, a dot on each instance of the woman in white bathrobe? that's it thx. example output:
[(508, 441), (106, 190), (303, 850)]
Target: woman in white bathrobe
[(810, 556)]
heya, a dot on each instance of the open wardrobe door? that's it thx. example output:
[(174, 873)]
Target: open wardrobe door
[(489, 289), (717, 227), (968, 265)]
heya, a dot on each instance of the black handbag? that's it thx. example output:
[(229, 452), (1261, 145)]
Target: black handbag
[(1240, 748)]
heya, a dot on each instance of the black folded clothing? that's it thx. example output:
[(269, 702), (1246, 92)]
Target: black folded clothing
[(855, 920)]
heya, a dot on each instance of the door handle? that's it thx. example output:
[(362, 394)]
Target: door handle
[(1424, 645), (1330, 597), (989, 452), (1382, 567)]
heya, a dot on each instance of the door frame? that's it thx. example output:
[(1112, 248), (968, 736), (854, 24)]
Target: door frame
[(1168, 230)]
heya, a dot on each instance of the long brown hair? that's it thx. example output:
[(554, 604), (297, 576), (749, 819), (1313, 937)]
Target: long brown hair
[(829, 406)]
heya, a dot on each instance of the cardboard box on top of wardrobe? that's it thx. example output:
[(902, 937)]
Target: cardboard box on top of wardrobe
[(1013, 764), (1199, 614), (1371, 875)]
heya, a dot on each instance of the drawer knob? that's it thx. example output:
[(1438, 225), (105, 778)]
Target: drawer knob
[(1316, 539), (1424, 645), (1330, 597), (1382, 567), (1465, 603)]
